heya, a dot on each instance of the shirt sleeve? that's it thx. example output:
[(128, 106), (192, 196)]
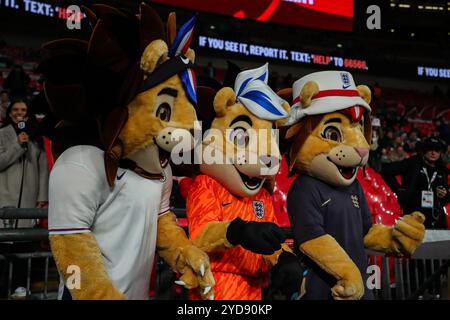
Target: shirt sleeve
[(202, 206), (164, 206), (305, 212), (74, 198)]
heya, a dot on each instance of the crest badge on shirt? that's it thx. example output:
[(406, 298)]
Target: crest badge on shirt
[(258, 208), (355, 200)]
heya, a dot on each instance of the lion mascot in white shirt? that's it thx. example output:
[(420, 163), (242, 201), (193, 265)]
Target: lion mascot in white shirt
[(120, 102)]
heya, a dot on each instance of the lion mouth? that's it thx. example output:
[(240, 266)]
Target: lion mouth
[(251, 183), (346, 172)]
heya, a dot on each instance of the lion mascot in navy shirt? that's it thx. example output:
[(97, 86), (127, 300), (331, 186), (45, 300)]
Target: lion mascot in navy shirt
[(329, 130)]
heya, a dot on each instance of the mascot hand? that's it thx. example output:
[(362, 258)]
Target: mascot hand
[(193, 264), (258, 237), (287, 275), (349, 289), (409, 232)]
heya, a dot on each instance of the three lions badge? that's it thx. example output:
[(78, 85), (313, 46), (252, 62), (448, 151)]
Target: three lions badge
[(258, 208)]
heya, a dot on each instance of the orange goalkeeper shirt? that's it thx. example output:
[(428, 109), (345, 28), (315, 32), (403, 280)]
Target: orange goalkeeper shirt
[(209, 201)]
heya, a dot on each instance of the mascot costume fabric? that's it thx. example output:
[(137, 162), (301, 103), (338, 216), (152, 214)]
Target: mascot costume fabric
[(109, 204), (230, 214), (330, 129)]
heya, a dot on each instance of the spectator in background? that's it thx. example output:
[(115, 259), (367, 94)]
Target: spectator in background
[(412, 142), (23, 162), (446, 157), (375, 151), (387, 139), (4, 104), (424, 185), (398, 154), (17, 82), (443, 129)]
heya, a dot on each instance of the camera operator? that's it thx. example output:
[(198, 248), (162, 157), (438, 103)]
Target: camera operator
[(23, 162), (424, 185)]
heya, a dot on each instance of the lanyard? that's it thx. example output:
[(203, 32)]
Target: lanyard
[(424, 170)]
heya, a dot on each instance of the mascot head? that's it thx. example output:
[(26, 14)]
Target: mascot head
[(129, 81), (330, 127), (240, 149)]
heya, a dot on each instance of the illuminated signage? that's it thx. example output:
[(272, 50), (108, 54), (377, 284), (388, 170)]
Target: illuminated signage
[(322, 14), (433, 72), (280, 54), (42, 9)]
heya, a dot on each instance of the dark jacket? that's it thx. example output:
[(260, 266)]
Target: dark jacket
[(414, 181)]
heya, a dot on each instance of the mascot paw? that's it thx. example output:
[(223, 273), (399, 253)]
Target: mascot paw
[(196, 272), (287, 274), (348, 290), (258, 237), (409, 232)]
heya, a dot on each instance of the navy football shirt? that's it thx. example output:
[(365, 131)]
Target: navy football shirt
[(315, 209)]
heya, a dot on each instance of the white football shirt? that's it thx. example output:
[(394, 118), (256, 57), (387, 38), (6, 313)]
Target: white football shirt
[(123, 219)]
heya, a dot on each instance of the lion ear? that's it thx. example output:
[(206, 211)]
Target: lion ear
[(154, 54), (171, 28), (285, 94), (223, 99), (293, 130), (364, 93), (309, 90)]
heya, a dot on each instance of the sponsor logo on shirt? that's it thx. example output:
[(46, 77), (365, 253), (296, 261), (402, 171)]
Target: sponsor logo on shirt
[(258, 208), (121, 176), (355, 200)]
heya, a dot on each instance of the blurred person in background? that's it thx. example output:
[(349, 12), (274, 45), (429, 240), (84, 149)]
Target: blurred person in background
[(443, 129), (398, 154), (23, 183), (412, 142), (17, 82), (23, 162), (4, 104), (424, 184), (375, 151), (446, 156), (386, 140)]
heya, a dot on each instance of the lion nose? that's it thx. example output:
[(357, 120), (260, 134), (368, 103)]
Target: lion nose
[(362, 152)]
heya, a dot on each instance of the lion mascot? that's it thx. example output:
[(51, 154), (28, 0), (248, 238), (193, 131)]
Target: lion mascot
[(230, 214), (117, 101), (329, 133)]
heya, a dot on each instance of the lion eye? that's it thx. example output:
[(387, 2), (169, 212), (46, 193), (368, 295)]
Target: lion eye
[(164, 111), (240, 137), (332, 133)]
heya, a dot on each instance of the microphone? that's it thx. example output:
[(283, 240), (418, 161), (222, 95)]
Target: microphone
[(21, 127)]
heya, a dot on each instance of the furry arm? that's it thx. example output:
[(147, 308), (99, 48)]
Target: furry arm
[(184, 257), (82, 250), (213, 237), (257, 237), (404, 237), (330, 256)]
